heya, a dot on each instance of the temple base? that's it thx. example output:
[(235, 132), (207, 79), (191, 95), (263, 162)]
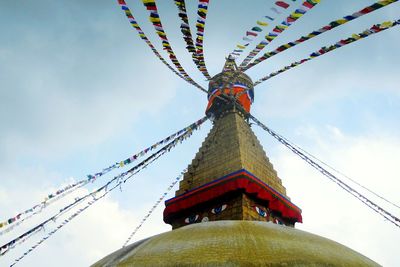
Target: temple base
[(237, 196)]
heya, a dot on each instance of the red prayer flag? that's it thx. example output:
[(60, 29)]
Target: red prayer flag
[(282, 4), (154, 8), (308, 5), (121, 2), (366, 10), (251, 33)]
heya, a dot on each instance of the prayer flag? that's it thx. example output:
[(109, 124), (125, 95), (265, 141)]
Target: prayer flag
[(251, 33), (261, 23), (282, 4)]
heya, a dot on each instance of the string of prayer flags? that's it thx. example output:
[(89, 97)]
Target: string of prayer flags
[(253, 33), (198, 57), (143, 36), (134, 157), (118, 180), (323, 50), (175, 181), (293, 17), (300, 152), (16, 220), (74, 215), (154, 18), (61, 225), (333, 24), (31, 233), (187, 34)]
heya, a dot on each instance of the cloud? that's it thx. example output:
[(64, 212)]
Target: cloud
[(80, 89), (329, 211), (98, 231), (304, 90)]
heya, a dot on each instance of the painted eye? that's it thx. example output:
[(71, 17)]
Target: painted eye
[(219, 209), (261, 212), (192, 218)]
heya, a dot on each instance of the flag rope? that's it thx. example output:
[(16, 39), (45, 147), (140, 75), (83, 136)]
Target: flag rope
[(373, 206), (292, 18), (143, 36), (75, 214), (328, 27), (187, 35), (144, 219), (346, 176), (15, 221), (155, 19), (256, 30), (11, 244), (200, 26), (324, 50)]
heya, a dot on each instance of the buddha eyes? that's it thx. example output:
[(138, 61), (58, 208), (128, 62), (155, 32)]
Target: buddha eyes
[(261, 212), (195, 217), (192, 218), (219, 209)]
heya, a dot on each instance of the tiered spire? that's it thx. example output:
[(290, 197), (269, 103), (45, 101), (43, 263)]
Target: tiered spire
[(230, 178)]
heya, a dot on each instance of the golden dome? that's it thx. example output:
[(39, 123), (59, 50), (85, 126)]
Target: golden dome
[(235, 243)]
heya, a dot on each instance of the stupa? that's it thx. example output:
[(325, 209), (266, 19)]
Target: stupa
[(231, 208)]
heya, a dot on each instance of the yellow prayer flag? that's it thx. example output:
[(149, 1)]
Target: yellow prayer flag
[(240, 46), (154, 20), (296, 15), (262, 23), (202, 10), (386, 2), (386, 24), (341, 21), (148, 1)]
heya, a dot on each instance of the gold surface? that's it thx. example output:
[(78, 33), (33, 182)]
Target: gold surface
[(235, 243), (230, 146)]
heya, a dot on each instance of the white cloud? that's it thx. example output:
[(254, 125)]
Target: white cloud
[(328, 210), (98, 231), (287, 97)]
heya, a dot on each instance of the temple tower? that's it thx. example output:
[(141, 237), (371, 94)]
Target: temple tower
[(230, 178), (231, 208)]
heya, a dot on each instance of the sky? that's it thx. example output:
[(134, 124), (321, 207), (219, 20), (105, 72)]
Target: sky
[(79, 90)]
